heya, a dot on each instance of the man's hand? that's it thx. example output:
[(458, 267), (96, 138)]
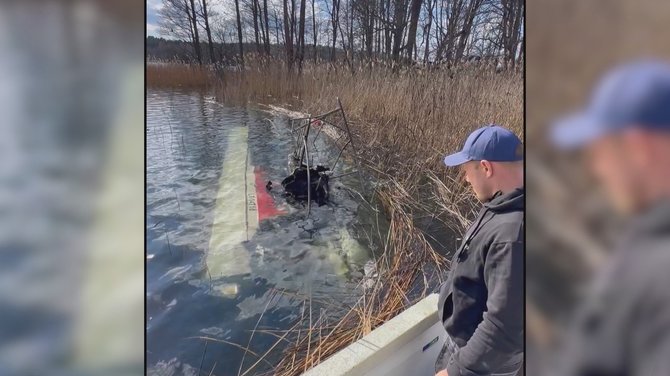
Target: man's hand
[(442, 373)]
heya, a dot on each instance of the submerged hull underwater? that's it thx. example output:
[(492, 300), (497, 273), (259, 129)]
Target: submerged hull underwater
[(254, 233), (241, 204)]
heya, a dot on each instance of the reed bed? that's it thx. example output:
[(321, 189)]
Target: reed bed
[(167, 75), (403, 277), (403, 123)]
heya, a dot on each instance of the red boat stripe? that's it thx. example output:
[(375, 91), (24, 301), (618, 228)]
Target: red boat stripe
[(266, 205)]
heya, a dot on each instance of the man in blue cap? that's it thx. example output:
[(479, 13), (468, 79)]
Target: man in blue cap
[(623, 326), (481, 303)]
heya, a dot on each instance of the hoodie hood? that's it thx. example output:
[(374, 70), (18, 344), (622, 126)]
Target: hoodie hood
[(510, 201)]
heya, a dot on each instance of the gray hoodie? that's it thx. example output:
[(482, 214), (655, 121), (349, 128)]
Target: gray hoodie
[(482, 301), (623, 326)]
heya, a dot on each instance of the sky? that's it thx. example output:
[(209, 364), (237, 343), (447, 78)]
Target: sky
[(153, 6), (225, 7), (152, 17)]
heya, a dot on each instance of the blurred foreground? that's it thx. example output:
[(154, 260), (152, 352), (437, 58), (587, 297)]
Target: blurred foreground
[(573, 228), (72, 188)]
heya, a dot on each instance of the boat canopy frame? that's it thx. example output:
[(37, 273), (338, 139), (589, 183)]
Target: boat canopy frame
[(300, 131)]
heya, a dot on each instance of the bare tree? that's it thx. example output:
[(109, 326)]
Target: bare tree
[(173, 20), (261, 23), (366, 11), (388, 28), (415, 9), (512, 16), (208, 30), (301, 36), (254, 16), (426, 30), (267, 27), (277, 27), (399, 23), (396, 31), (196, 37), (314, 29), (294, 29), (220, 30), (288, 35), (239, 32), (351, 31), (468, 19), (335, 21), (176, 19)]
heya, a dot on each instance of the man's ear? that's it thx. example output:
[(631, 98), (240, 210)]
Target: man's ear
[(487, 167)]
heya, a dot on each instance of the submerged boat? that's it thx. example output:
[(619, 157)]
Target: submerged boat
[(242, 202), (406, 345)]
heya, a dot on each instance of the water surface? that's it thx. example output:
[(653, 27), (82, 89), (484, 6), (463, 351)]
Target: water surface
[(191, 141)]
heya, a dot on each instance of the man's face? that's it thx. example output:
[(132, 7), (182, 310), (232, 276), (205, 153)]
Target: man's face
[(612, 160), (478, 174)]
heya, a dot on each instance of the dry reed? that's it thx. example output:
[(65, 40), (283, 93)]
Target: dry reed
[(166, 75)]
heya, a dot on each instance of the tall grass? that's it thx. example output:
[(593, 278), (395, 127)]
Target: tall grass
[(167, 75), (403, 123)]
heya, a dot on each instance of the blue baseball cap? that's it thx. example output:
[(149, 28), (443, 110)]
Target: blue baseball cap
[(492, 143), (633, 95)]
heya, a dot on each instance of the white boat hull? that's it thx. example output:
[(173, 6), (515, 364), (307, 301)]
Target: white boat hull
[(406, 345), (235, 214)]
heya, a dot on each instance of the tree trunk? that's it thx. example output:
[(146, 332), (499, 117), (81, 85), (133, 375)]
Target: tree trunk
[(254, 14), (335, 19), (466, 30), (267, 28), (187, 10), (212, 58), (239, 32), (351, 32), (427, 31), (369, 26), (288, 37), (378, 27), (511, 25), (387, 29), (261, 25), (294, 29), (415, 9), (277, 27), (314, 29), (398, 28), (301, 32), (452, 23), (196, 40)]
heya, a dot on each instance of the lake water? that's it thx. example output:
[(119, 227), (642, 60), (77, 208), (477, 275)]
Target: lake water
[(213, 270)]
